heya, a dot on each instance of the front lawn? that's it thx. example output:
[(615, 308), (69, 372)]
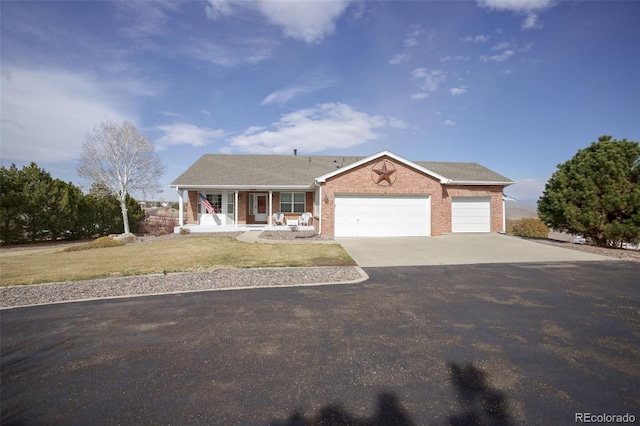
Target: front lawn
[(174, 255)]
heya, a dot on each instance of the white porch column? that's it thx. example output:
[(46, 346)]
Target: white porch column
[(180, 206), (270, 209), (320, 201), (235, 208)]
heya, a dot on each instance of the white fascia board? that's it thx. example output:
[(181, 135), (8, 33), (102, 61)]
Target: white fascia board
[(248, 187), (477, 182), (387, 153)]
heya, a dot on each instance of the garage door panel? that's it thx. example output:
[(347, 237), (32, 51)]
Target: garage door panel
[(380, 216), (471, 214)]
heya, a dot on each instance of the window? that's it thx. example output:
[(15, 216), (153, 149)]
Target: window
[(216, 203), (292, 202), (230, 202)]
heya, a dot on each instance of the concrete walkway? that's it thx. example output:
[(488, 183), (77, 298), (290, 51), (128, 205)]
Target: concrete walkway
[(455, 249), (254, 237)]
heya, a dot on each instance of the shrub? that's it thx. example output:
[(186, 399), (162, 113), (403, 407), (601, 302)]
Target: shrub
[(185, 231), (530, 227), (101, 242)]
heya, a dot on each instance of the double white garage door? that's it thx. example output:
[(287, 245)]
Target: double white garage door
[(405, 216), (382, 216)]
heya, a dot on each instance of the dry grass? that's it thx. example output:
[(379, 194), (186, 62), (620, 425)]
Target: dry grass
[(177, 255)]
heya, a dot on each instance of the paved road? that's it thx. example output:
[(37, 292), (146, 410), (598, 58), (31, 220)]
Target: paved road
[(511, 344)]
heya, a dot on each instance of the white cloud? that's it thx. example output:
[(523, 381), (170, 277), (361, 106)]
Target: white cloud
[(306, 84), (505, 71), (217, 9), (431, 78), (300, 20), (449, 123), (455, 58), (409, 42), (326, 126), (476, 39), (46, 115), (145, 19), (531, 22), (419, 95), (238, 52), (498, 58), (520, 6), (502, 46), (205, 112), (187, 134), (457, 91), (399, 58), (516, 5)]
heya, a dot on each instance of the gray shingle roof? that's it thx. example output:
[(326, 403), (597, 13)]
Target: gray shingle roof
[(463, 172), (276, 170), (301, 170)]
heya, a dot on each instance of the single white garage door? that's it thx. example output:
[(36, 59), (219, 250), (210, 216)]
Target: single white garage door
[(471, 214), (382, 216)]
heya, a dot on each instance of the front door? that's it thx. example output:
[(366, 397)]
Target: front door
[(259, 207)]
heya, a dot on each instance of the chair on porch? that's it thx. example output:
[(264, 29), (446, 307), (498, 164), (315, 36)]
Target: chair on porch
[(305, 218), (278, 218)]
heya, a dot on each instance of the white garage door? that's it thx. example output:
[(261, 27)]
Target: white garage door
[(382, 216), (471, 214)]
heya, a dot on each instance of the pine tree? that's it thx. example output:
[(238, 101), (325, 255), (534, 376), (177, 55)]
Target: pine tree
[(596, 193)]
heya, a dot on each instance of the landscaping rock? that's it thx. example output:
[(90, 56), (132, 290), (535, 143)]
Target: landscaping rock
[(126, 238)]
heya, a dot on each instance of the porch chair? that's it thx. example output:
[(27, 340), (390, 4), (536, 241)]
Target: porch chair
[(278, 218), (305, 218)]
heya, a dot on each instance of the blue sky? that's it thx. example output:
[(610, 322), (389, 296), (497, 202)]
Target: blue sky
[(516, 85)]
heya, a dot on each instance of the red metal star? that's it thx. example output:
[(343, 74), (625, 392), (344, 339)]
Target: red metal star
[(384, 173)]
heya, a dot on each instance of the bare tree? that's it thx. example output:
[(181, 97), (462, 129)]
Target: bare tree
[(122, 159)]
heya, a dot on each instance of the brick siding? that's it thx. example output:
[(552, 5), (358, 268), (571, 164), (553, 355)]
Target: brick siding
[(408, 181)]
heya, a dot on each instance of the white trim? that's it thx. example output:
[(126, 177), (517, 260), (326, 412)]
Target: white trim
[(235, 208), (320, 211), (181, 206), (270, 208), (478, 182), (249, 187), (409, 163)]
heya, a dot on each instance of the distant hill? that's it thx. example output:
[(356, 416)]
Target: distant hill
[(518, 210)]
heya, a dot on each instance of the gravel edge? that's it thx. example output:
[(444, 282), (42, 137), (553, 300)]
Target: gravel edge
[(104, 288)]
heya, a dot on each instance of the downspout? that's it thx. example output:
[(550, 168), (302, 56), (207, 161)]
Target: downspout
[(504, 215)]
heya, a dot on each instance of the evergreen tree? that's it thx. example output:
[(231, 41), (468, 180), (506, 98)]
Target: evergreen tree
[(596, 193)]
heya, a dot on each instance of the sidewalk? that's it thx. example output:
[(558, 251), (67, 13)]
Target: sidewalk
[(253, 237)]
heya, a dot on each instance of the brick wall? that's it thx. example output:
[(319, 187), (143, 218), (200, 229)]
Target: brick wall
[(192, 208), (408, 181)]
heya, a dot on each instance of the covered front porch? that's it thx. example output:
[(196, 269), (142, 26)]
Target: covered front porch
[(223, 209), (195, 228)]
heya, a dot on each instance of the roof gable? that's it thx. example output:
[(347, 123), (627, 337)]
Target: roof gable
[(381, 154)]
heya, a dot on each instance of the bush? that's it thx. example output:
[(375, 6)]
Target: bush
[(530, 227), (185, 231), (101, 242)]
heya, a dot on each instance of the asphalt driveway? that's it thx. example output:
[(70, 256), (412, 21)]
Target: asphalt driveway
[(502, 344), (456, 249)]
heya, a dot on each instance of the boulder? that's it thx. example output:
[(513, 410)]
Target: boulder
[(126, 238)]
